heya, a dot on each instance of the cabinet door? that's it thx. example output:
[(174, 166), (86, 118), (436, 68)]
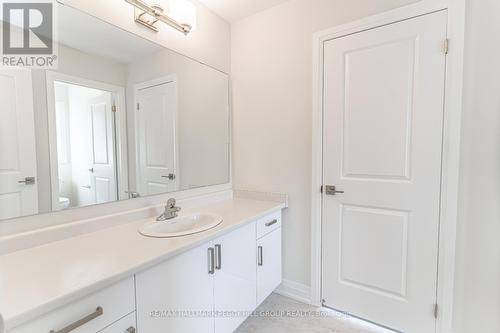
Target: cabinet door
[(177, 295), (268, 264), (235, 278)]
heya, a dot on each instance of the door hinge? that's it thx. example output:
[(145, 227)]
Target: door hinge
[(321, 189), (446, 46), (113, 108), (138, 107), (436, 311)]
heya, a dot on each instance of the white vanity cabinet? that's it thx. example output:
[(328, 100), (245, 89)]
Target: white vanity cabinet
[(177, 295), (212, 288), (268, 264), (124, 325), (269, 272), (235, 278), (91, 314)]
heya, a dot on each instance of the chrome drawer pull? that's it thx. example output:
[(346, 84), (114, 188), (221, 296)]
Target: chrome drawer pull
[(268, 224), (218, 257), (211, 268), (260, 258), (98, 312)]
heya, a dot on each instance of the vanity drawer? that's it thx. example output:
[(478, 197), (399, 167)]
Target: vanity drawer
[(94, 312), (268, 224), (124, 325)]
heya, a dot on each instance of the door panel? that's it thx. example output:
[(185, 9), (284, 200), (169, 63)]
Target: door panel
[(103, 169), (378, 116), (17, 145), (383, 120), (365, 261), (156, 125), (100, 131)]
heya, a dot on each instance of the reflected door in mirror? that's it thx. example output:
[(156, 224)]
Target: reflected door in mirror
[(157, 141), (18, 188), (85, 146)]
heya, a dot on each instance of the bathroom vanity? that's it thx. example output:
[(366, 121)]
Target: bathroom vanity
[(116, 280)]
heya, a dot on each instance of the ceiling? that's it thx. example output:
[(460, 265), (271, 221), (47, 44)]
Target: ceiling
[(234, 10)]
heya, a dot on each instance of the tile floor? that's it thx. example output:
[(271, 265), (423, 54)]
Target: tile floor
[(319, 321)]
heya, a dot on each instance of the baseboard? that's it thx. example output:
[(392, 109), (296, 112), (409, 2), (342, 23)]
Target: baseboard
[(294, 290)]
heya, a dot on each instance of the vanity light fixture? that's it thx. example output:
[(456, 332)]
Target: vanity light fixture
[(149, 15)]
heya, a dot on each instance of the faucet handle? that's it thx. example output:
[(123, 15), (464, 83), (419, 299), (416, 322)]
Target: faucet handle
[(171, 203)]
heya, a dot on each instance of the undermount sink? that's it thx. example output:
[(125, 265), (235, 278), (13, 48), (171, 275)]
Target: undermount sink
[(182, 225)]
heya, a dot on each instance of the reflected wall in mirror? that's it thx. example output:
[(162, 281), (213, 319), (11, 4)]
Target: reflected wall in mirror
[(120, 117)]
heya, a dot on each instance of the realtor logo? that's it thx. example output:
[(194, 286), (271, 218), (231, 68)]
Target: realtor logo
[(28, 34)]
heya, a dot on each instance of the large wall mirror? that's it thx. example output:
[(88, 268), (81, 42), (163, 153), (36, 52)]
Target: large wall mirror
[(121, 117)]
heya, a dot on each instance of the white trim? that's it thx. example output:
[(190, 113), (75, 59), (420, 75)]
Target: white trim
[(120, 128), (294, 290), (119, 100), (148, 84), (451, 165), (451, 144)]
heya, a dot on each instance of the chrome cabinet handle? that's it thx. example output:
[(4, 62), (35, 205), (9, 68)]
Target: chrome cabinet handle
[(218, 256), (131, 330), (91, 170), (260, 256), (268, 224), (28, 181), (211, 268), (97, 313), (170, 176)]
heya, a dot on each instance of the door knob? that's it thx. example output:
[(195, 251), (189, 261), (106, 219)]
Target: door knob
[(133, 195), (170, 176), (28, 181), (91, 170), (332, 190)]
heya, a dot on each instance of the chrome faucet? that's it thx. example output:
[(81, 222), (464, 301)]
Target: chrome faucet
[(170, 211)]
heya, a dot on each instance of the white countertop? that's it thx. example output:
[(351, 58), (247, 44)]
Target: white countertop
[(40, 279)]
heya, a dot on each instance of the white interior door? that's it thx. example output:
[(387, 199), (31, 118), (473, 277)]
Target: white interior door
[(383, 127), (18, 195), (156, 129), (103, 169)]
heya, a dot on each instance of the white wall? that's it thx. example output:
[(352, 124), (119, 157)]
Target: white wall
[(478, 261), (209, 43), (272, 76)]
